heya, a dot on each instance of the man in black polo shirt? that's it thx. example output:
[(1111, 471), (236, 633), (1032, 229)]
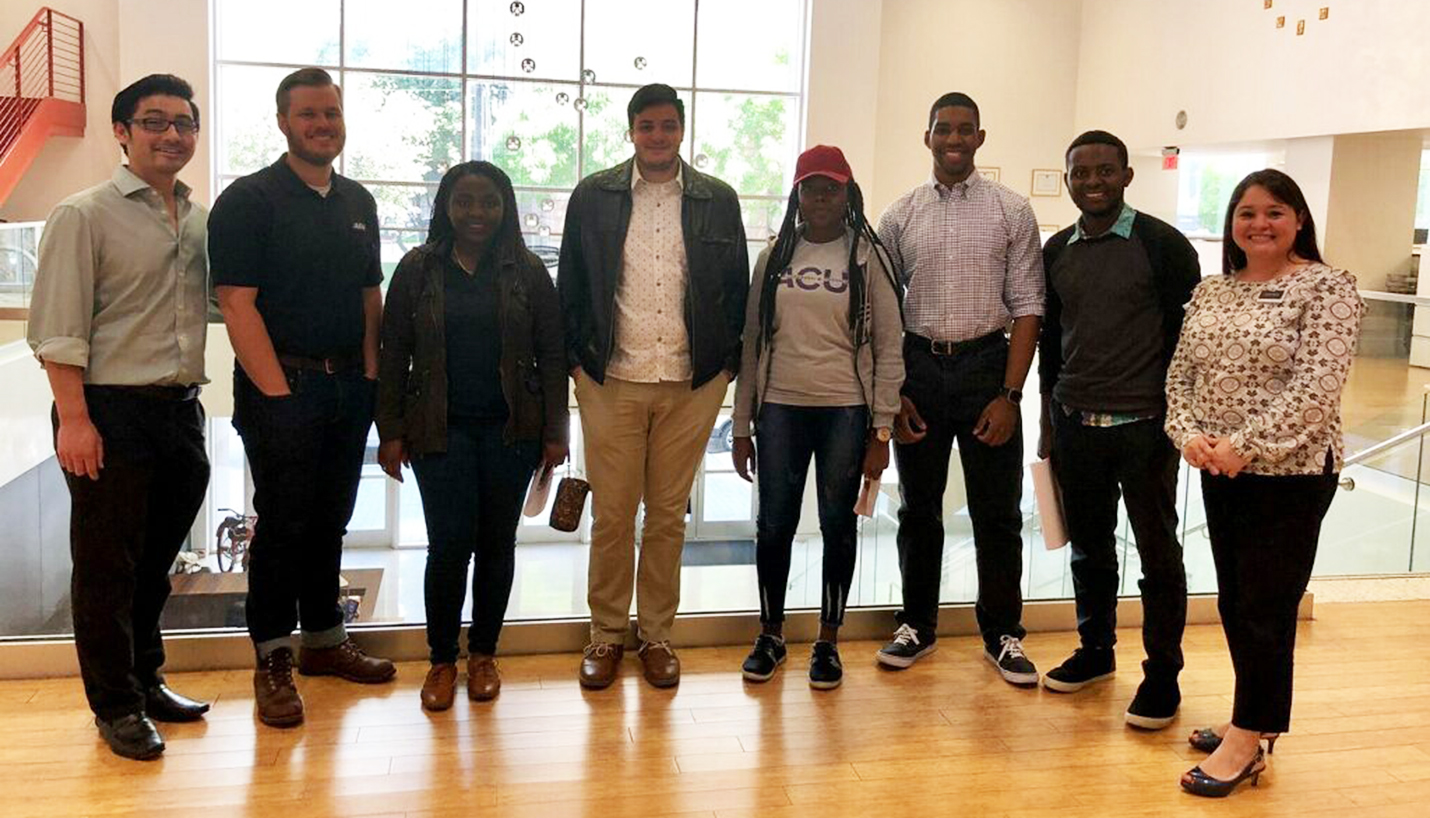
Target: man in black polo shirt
[(1117, 282), (294, 254)]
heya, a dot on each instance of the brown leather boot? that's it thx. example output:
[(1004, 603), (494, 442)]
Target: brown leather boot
[(440, 688), (662, 666), (346, 661), (599, 664), (274, 693), (483, 680)]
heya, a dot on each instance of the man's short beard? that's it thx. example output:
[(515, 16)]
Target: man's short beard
[(295, 148)]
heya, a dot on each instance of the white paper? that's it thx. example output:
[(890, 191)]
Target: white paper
[(538, 493), (1050, 504), (868, 498)]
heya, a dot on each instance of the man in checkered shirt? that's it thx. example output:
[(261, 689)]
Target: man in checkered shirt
[(968, 252)]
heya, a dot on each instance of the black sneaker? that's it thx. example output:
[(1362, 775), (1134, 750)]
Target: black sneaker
[(1085, 666), (768, 654), (905, 648), (1012, 663), (825, 669), (1155, 705)]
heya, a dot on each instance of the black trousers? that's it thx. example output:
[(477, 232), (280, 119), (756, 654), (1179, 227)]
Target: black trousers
[(1263, 531), (126, 528), (835, 437), (305, 452), (950, 393), (1096, 465), (471, 497)]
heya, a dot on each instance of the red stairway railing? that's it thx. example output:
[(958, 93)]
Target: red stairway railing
[(41, 90)]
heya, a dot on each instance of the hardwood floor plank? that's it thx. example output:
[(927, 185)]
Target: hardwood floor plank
[(719, 747)]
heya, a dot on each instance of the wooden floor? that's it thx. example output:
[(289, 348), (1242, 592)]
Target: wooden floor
[(945, 738)]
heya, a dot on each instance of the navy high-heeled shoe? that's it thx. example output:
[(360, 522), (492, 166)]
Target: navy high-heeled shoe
[(1207, 740), (1199, 783)]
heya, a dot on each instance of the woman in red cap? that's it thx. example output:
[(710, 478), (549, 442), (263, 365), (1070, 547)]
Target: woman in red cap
[(819, 378)]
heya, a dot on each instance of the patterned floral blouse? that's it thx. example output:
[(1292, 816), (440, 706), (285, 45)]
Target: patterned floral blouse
[(1263, 363)]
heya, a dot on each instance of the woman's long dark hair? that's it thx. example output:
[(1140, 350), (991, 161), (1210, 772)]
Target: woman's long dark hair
[(508, 235), (783, 252), (1284, 190)]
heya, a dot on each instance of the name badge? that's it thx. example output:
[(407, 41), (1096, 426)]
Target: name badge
[(1272, 296)]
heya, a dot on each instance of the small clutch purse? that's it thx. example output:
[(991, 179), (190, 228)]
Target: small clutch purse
[(570, 502)]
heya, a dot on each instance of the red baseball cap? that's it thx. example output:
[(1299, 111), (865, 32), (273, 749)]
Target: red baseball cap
[(822, 160)]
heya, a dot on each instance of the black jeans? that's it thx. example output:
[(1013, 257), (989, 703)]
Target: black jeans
[(305, 451), (950, 393), (471, 497), (126, 528), (1263, 531), (788, 436), (1094, 466)]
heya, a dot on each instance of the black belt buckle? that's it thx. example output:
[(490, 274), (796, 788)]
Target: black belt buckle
[(946, 348), (328, 367)]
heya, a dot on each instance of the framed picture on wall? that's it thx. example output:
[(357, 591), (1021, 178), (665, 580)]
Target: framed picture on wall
[(1047, 183), (991, 174)]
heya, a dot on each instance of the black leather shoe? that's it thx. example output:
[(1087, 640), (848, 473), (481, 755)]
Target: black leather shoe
[(132, 736), (163, 704), (1197, 782)]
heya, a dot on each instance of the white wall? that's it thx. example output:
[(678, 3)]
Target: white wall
[(68, 164), (1017, 58), (1368, 228), (1240, 79), (180, 45), (842, 99)]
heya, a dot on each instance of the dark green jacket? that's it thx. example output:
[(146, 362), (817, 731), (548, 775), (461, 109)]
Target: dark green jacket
[(592, 245), (412, 368)]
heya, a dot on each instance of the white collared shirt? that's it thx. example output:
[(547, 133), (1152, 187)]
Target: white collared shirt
[(652, 343)]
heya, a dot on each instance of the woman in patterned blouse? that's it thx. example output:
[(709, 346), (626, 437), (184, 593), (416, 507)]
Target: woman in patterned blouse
[(1253, 400)]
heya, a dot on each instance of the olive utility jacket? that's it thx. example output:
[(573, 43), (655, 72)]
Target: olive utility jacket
[(412, 368)]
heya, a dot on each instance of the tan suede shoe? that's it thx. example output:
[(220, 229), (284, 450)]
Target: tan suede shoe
[(662, 666), (483, 680), (440, 687), (599, 664)]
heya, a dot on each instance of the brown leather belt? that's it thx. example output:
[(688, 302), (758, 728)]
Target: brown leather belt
[(330, 366), (172, 394), (950, 348)]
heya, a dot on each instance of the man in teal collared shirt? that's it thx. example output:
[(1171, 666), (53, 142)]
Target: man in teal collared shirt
[(118, 320), (1117, 281)]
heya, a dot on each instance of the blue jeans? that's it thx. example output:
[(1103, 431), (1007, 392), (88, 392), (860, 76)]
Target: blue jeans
[(471, 497), (787, 437)]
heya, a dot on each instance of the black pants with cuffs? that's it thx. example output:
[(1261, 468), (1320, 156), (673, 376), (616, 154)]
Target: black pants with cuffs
[(950, 392), (126, 528), (1263, 533)]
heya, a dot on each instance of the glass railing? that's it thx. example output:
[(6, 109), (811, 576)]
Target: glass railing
[(1374, 527), (19, 258)]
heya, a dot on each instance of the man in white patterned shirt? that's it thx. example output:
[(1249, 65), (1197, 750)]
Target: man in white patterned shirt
[(653, 275), (968, 252)]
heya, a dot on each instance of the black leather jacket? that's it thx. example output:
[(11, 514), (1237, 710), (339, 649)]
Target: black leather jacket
[(595, 234)]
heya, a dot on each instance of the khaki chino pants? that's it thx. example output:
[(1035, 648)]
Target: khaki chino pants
[(643, 442)]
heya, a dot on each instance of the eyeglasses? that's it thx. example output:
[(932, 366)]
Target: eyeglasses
[(157, 124)]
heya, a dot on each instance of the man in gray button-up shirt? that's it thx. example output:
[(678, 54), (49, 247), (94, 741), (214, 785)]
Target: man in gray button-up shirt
[(118, 321)]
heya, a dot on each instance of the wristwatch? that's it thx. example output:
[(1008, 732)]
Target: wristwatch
[(883, 434), (1014, 396)]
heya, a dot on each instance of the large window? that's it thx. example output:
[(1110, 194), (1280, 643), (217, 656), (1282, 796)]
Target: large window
[(538, 87)]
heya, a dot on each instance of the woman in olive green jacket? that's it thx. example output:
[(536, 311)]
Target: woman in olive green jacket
[(472, 392)]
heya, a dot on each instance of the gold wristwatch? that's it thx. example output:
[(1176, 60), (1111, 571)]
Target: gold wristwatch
[(883, 434)]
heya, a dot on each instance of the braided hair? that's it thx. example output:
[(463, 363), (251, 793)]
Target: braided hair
[(783, 253)]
